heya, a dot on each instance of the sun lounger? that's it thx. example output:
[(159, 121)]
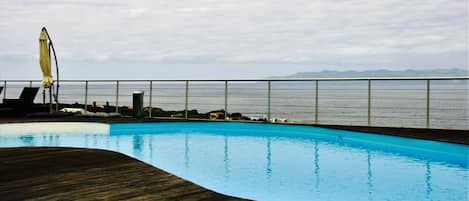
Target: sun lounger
[(26, 98), (23, 104)]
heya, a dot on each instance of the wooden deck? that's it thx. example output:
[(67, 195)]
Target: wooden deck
[(40, 173)]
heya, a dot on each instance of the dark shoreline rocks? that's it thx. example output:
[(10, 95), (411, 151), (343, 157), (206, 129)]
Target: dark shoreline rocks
[(155, 111)]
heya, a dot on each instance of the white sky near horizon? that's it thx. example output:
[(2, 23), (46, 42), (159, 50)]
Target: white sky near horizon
[(208, 39)]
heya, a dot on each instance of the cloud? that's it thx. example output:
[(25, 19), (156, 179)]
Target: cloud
[(136, 12), (377, 33)]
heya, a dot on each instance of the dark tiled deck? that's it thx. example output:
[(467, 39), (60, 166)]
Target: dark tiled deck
[(88, 174)]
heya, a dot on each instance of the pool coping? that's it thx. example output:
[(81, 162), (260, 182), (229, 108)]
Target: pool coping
[(442, 135)]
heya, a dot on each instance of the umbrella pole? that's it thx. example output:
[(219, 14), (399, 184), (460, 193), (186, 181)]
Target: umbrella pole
[(50, 100)]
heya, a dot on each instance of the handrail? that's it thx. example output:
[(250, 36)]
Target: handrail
[(316, 103), (264, 79)]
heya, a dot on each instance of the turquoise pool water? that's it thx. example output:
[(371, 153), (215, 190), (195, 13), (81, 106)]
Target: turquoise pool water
[(273, 162)]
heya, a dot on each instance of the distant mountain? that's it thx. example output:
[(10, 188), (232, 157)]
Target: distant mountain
[(381, 73)]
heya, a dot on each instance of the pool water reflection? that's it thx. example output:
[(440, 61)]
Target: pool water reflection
[(279, 162)]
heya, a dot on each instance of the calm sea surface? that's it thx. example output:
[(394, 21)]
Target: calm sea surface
[(393, 103)]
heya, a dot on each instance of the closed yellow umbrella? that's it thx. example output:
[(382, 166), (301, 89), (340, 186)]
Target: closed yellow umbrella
[(44, 60)]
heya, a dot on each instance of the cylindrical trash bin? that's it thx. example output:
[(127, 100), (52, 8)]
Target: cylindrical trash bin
[(137, 100)]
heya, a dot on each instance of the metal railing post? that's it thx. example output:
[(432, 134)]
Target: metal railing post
[(30, 83), (316, 102), (186, 100), (117, 96), (369, 102), (428, 104), (4, 89), (269, 89), (86, 95), (226, 99), (151, 94)]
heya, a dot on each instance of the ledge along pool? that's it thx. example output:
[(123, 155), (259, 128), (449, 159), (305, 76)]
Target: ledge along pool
[(271, 161)]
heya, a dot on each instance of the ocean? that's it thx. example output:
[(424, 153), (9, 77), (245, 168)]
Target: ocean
[(393, 103)]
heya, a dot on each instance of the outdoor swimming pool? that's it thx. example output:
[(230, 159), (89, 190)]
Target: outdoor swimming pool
[(273, 162)]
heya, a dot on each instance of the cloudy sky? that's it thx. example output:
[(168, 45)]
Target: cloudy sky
[(189, 39)]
